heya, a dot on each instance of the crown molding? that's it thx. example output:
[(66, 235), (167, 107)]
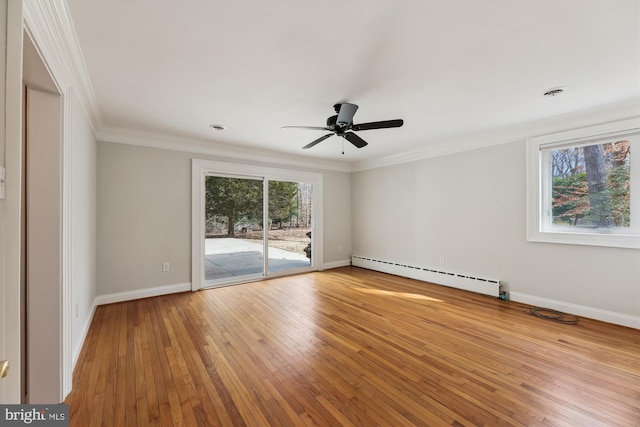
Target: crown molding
[(49, 25), (214, 148), (627, 109)]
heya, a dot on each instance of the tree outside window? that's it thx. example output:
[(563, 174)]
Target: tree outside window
[(591, 185)]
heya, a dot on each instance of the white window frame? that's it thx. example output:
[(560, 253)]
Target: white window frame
[(538, 222), (202, 168)]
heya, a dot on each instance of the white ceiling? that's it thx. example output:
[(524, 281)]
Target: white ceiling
[(450, 69)]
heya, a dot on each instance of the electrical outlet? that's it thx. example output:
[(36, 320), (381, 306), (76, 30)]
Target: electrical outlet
[(339, 248), (441, 260), (76, 310), (166, 267)]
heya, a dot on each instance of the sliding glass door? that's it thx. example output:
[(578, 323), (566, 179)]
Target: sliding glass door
[(233, 215), (251, 227), (289, 220)]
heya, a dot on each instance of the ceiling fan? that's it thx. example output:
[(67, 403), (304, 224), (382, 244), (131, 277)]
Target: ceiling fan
[(342, 125)]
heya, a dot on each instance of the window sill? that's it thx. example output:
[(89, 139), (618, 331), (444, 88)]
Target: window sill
[(587, 239)]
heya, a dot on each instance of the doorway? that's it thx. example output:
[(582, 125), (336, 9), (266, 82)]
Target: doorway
[(255, 227), (234, 241), (253, 222), (42, 242), (289, 237)]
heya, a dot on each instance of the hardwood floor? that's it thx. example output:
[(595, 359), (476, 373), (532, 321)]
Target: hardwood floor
[(350, 347)]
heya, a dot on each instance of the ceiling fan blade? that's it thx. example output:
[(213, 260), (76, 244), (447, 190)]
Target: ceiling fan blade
[(322, 138), (355, 139), (346, 113), (378, 125), (307, 127)]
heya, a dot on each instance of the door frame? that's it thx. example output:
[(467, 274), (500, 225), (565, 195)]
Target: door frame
[(10, 331), (21, 23), (202, 168)]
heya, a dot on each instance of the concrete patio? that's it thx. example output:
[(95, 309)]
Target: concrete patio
[(229, 257)]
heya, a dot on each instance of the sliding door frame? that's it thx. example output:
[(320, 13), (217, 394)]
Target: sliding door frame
[(202, 168)]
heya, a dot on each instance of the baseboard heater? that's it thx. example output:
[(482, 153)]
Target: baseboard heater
[(479, 285)]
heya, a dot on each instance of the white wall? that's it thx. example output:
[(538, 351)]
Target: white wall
[(337, 218), (470, 208), (144, 217), (83, 146)]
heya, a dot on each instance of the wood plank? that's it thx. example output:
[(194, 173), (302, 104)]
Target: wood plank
[(349, 347)]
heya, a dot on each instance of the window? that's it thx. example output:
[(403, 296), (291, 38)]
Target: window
[(583, 186)]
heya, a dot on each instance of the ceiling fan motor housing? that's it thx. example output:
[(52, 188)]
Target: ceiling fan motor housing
[(346, 113)]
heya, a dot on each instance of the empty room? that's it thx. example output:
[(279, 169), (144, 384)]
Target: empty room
[(320, 213)]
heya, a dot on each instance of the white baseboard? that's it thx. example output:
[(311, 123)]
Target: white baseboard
[(578, 310), (336, 264), (85, 331), (141, 293)]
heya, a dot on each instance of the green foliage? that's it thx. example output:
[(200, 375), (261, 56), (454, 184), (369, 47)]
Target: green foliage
[(237, 200), (571, 203), (233, 199), (591, 185), (619, 189), (282, 200), (570, 198)]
